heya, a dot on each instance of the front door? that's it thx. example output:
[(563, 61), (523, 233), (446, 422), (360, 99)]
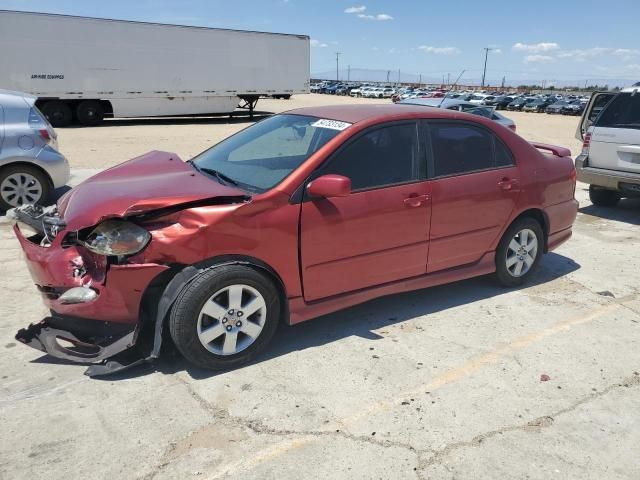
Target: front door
[(380, 232)]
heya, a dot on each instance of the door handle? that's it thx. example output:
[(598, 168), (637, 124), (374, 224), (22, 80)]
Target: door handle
[(509, 184), (416, 200)]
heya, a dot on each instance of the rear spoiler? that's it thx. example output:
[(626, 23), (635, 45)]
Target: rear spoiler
[(555, 150)]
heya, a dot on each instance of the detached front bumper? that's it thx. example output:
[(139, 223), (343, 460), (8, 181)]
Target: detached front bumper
[(81, 341)]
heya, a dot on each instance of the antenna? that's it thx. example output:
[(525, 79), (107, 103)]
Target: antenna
[(452, 87)]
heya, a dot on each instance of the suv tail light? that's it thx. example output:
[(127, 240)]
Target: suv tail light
[(586, 143)]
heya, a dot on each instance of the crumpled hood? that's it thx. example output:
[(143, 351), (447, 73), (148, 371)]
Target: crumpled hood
[(152, 181)]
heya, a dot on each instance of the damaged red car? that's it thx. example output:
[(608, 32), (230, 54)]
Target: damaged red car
[(296, 216)]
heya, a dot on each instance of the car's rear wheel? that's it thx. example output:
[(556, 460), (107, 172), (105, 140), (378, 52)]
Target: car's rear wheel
[(602, 197), (519, 252), (22, 184), (225, 317), (58, 113)]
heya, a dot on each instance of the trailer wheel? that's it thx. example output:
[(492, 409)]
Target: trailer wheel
[(90, 113), (58, 113)]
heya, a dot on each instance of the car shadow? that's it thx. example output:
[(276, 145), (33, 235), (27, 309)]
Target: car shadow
[(362, 320), (236, 117), (627, 210)]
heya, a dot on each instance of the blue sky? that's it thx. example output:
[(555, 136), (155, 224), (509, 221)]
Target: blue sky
[(556, 41)]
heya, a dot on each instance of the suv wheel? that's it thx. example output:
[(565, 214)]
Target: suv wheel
[(602, 197), (519, 251), (225, 317), (22, 184)]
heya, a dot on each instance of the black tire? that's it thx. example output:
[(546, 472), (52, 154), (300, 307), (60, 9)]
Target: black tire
[(184, 315), (58, 113), (37, 174), (90, 113), (503, 275), (602, 197)]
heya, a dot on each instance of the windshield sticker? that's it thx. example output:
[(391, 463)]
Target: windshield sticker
[(331, 124)]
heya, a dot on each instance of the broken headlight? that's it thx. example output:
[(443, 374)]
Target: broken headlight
[(117, 237)]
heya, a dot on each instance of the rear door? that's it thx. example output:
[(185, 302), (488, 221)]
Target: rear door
[(475, 186), (596, 103), (615, 138), (380, 232), (1, 127)]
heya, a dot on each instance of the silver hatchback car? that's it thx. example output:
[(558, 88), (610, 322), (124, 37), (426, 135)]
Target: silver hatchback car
[(30, 165)]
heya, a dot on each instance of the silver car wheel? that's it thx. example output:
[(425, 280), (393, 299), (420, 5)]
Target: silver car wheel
[(20, 188), (232, 319), (521, 252)]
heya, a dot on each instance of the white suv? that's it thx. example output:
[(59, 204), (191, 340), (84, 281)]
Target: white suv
[(610, 158)]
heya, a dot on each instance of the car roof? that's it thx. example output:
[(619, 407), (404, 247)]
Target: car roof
[(16, 99), (359, 113)]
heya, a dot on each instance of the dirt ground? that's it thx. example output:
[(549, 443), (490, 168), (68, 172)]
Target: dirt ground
[(442, 383), (118, 140)]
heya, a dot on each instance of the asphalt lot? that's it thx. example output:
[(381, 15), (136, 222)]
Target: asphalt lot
[(441, 383)]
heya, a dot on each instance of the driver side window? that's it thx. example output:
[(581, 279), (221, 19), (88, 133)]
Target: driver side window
[(383, 156)]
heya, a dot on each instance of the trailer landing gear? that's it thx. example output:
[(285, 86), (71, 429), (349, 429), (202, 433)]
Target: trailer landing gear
[(249, 102)]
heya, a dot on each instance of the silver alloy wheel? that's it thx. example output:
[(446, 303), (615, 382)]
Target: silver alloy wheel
[(232, 319), (522, 252), (20, 188)]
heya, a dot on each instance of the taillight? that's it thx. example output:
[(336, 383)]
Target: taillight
[(586, 143), (44, 133)]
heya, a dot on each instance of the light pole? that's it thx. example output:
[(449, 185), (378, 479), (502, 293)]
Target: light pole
[(338, 66), (486, 54)]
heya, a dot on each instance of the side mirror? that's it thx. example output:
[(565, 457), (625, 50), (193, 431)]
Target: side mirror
[(328, 186)]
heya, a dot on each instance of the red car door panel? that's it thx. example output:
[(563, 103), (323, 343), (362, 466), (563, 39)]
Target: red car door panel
[(367, 238), (468, 213)]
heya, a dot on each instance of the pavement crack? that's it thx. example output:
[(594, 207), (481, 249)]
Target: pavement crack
[(531, 426), (259, 428)]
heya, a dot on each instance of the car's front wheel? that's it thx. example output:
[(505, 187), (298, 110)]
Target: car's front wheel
[(519, 252), (225, 317)]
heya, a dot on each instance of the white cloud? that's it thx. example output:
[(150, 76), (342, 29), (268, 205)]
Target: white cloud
[(626, 52), (538, 59), (439, 50), (582, 55), (380, 17), (536, 47), (317, 43), (356, 9)]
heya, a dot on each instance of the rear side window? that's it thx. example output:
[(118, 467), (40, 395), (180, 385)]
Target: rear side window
[(36, 119), (463, 148), (383, 156), (622, 112)]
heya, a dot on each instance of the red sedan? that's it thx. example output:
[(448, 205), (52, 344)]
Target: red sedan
[(299, 215)]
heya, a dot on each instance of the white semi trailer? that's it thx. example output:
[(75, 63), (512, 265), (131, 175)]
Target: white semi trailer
[(86, 69)]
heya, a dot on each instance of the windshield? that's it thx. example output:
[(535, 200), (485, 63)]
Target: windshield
[(261, 156)]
